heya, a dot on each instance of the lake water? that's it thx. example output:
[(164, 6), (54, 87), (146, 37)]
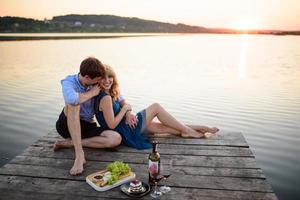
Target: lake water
[(245, 83)]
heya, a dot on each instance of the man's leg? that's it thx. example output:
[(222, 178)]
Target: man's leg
[(73, 120)]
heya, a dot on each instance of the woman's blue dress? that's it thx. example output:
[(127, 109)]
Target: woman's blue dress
[(132, 137)]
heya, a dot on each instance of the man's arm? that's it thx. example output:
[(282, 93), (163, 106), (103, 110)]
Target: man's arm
[(74, 98), (90, 94)]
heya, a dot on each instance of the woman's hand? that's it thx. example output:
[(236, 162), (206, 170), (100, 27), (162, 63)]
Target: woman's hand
[(127, 107), (131, 120)]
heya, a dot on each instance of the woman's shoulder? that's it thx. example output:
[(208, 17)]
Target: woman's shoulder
[(102, 94), (101, 98)]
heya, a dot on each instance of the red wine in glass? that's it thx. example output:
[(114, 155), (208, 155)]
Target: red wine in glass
[(156, 178), (166, 173)]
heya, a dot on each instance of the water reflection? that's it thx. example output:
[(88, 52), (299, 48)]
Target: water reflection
[(242, 83), (243, 55)]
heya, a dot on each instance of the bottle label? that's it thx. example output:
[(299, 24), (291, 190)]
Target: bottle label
[(153, 167)]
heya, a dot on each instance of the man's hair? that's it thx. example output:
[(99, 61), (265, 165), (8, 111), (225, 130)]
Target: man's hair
[(92, 67)]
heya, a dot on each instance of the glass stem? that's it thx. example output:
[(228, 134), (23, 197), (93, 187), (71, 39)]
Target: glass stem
[(155, 187)]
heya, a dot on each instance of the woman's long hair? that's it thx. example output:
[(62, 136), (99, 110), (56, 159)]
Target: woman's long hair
[(114, 90)]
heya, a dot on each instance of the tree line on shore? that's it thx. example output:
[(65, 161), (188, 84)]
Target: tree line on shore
[(91, 23), (111, 24)]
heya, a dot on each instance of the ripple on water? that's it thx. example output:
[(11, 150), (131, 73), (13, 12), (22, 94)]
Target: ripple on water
[(264, 104)]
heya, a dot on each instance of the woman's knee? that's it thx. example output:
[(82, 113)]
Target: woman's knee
[(156, 107), (113, 138)]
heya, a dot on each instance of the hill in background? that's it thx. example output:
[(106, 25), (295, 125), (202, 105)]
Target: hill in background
[(92, 23), (110, 24)]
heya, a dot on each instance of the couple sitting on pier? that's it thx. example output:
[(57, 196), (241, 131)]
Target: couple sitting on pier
[(94, 91)]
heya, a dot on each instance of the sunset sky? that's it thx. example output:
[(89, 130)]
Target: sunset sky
[(239, 14)]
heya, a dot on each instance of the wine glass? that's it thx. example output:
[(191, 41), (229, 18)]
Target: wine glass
[(166, 171), (154, 173)]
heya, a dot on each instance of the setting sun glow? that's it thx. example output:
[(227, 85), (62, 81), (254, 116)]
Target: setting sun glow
[(245, 25)]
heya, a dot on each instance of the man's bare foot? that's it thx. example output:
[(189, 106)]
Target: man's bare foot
[(191, 133), (63, 144), (77, 168)]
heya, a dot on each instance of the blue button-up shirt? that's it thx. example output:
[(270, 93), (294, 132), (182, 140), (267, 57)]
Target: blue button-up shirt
[(71, 87)]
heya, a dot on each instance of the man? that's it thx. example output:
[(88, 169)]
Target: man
[(76, 122)]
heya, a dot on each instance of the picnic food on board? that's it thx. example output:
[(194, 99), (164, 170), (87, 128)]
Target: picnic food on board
[(114, 173)]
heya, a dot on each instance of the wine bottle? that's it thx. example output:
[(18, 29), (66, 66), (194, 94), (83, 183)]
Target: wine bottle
[(154, 163)]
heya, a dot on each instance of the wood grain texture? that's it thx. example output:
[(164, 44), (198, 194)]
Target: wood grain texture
[(222, 167)]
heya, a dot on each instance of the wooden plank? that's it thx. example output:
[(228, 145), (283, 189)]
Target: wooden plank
[(219, 167), (109, 156), (172, 149), (17, 195), (52, 187), (178, 180), (93, 166), (222, 139), (222, 135)]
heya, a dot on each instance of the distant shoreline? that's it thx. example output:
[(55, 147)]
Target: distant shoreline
[(65, 36), (99, 26), (57, 36)]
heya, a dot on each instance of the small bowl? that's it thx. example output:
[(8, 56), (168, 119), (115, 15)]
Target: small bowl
[(127, 189)]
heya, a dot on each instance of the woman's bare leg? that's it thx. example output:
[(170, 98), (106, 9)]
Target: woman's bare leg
[(107, 139), (157, 127), (155, 110)]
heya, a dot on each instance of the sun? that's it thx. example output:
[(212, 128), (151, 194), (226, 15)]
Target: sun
[(245, 25)]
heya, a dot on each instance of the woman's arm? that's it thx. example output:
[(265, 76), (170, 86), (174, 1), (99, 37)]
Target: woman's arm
[(107, 108)]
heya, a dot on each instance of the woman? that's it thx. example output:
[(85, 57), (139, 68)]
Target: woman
[(110, 115)]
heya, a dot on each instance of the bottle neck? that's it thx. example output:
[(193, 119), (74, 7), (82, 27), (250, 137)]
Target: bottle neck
[(154, 148)]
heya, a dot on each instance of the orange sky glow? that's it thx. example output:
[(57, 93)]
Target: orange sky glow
[(237, 14)]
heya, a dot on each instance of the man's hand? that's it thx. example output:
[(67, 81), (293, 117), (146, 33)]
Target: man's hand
[(95, 90), (90, 94), (131, 120)]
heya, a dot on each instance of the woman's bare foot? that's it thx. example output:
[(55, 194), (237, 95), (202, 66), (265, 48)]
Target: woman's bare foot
[(213, 130), (189, 132), (210, 132), (200, 129), (77, 168), (63, 144), (206, 129)]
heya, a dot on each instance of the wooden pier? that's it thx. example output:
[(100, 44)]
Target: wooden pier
[(222, 167)]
